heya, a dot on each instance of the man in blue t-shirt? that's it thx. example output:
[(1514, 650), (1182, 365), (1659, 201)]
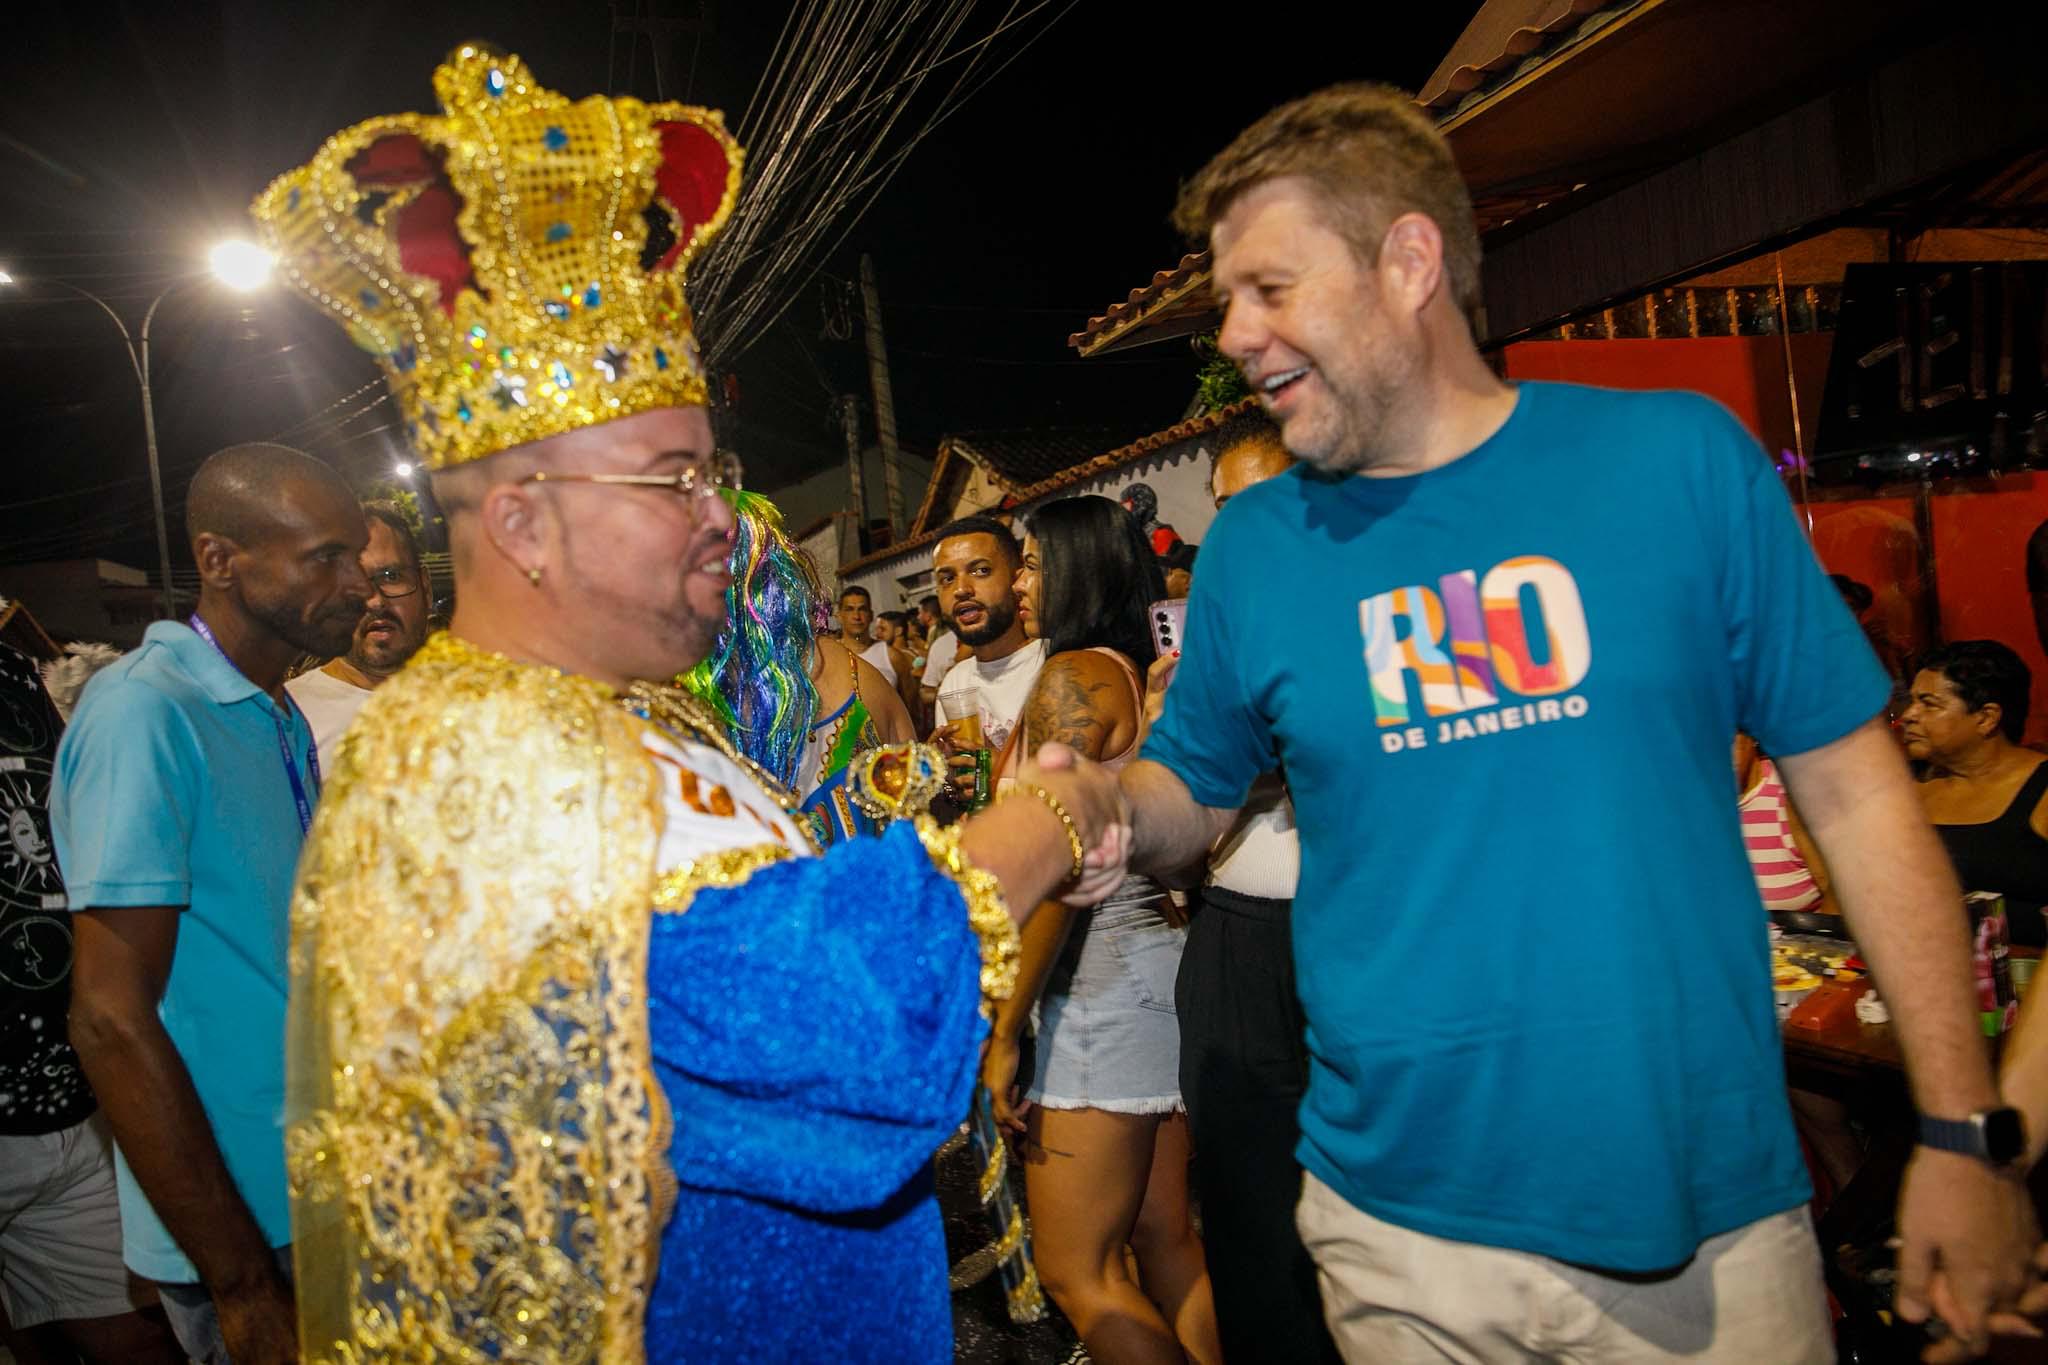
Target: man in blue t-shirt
[(1501, 637), (183, 791)]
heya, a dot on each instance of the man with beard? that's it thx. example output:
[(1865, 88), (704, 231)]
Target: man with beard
[(973, 567), (184, 788), (1503, 682), (394, 625), (594, 1056)]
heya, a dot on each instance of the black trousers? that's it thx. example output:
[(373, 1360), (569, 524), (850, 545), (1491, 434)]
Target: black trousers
[(1243, 1069)]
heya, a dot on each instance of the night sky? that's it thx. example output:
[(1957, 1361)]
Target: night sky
[(131, 136)]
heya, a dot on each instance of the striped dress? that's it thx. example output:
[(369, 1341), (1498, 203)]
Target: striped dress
[(1782, 877)]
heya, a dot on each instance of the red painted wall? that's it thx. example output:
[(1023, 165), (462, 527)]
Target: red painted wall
[(1746, 373), (1980, 536)]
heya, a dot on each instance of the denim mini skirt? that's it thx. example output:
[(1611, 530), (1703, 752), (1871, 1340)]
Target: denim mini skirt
[(1108, 1037)]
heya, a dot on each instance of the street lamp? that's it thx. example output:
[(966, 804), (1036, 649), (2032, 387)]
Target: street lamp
[(240, 266)]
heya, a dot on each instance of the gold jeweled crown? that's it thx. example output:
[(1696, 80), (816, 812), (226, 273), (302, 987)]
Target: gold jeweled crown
[(516, 265)]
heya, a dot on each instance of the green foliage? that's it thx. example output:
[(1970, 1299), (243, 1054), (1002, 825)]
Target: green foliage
[(1219, 382), (408, 501)]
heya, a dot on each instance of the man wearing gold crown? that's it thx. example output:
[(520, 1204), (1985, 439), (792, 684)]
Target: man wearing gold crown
[(590, 1057)]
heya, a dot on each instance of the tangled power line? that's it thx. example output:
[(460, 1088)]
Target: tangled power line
[(852, 89), (843, 105)]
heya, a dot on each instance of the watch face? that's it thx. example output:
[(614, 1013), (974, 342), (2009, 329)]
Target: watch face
[(2005, 1136)]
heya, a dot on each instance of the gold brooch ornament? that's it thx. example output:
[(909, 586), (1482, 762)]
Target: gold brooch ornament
[(516, 264), (896, 780)]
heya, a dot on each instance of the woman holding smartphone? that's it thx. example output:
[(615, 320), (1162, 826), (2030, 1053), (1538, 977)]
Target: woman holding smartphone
[(1105, 1132)]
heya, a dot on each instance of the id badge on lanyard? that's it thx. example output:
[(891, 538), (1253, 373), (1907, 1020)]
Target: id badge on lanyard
[(300, 794)]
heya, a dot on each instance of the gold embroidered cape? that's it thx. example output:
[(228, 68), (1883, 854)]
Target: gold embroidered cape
[(472, 1125), (475, 1140)]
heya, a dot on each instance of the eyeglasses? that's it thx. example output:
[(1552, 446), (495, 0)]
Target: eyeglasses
[(718, 470), (392, 581)]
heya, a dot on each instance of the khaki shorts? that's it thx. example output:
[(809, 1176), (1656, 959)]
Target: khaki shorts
[(1750, 1295), (60, 1228)]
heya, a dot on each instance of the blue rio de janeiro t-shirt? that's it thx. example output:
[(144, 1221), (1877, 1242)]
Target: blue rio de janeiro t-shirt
[(1528, 943)]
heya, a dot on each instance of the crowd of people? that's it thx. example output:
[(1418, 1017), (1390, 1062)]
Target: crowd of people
[(596, 979)]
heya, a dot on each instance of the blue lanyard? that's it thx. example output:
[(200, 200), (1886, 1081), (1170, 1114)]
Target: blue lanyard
[(284, 742)]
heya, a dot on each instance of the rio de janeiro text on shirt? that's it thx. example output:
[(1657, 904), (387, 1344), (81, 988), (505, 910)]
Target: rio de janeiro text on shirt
[(1488, 652)]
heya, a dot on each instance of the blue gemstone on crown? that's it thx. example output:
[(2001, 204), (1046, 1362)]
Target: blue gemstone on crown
[(558, 232), (560, 374), (405, 357), (370, 300), (556, 309), (462, 411), (660, 358), (593, 296), (494, 81), (554, 138), (291, 201)]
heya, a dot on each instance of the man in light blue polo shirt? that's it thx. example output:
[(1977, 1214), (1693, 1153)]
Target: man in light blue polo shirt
[(183, 791)]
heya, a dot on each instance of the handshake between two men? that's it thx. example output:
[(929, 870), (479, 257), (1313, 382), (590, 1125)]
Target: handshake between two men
[(1064, 830)]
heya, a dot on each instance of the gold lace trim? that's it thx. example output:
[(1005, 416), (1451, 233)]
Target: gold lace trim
[(1026, 1302), (676, 888), (987, 914), (992, 1174), (472, 1139)]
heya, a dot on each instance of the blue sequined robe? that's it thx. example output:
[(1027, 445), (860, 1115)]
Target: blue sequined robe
[(816, 1043)]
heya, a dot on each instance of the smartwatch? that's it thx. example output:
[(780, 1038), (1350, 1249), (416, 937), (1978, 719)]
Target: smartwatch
[(1997, 1137)]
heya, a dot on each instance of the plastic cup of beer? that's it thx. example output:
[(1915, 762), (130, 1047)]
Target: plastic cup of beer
[(963, 715)]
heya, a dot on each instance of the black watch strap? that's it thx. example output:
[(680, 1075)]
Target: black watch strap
[(1995, 1136)]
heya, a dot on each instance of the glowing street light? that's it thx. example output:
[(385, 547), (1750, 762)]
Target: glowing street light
[(241, 266)]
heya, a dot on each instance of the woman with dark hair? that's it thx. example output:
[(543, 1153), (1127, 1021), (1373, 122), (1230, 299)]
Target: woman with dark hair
[(1106, 1136), (1987, 796)]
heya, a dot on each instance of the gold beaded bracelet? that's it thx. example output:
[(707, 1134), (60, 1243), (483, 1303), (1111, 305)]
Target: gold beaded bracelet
[(1073, 835)]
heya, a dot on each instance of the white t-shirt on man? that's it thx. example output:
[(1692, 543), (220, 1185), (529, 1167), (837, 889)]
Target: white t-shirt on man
[(939, 656), (878, 655), (330, 703), (1004, 685)]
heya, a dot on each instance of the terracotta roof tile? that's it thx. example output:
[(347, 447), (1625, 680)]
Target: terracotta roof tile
[(1021, 457), (1192, 265), (1501, 37), (1136, 450), (1077, 473)]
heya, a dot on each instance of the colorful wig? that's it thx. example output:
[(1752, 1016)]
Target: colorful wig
[(758, 676)]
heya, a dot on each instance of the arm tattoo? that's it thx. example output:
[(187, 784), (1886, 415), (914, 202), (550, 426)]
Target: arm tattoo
[(1062, 709)]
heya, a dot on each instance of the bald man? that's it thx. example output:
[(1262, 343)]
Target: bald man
[(184, 788)]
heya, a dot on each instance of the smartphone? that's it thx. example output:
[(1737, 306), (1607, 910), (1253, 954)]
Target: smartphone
[(1169, 621)]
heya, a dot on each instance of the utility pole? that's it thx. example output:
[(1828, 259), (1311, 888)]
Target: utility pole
[(849, 422), (885, 402)]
